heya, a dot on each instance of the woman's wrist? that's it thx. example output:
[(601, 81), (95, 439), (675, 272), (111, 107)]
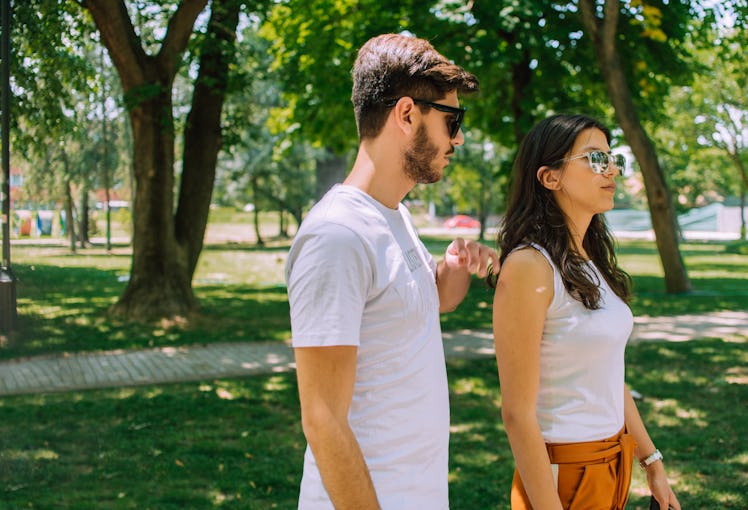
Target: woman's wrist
[(650, 459)]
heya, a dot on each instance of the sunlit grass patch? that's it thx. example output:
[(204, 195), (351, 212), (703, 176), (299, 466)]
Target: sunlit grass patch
[(178, 446), (239, 442), (63, 299), (694, 410)]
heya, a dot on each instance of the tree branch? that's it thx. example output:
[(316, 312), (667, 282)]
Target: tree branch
[(610, 23), (178, 34), (590, 19), (202, 133), (118, 35)]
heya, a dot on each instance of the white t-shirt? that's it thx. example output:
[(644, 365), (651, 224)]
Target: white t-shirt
[(580, 397), (357, 274)]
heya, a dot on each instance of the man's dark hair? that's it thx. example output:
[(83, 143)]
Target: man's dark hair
[(391, 66)]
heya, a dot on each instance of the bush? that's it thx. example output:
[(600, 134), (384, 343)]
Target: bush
[(739, 247)]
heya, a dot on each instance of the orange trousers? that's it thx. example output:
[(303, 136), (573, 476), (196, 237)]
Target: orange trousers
[(593, 475)]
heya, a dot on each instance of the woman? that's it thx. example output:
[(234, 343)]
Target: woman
[(561, 322)]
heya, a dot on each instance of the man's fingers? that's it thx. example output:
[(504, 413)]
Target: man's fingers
[(472, 255)]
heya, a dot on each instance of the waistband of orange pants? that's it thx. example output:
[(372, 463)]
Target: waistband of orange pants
[(605, 450), (587, 452)]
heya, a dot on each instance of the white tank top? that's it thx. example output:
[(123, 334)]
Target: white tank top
[(580, 397)]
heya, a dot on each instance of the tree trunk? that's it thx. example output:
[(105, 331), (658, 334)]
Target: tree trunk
[(602, 32), (69, 221), (330, 170), (159, 283), (83, 217), (256, 212), (735, 156), (104, 153), (166, 246), (202, 133), (298, 216), (69, 203), (743, 229), (108, 199), (521, 79), (282, 228)]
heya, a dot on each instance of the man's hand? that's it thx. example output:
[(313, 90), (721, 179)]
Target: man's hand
[(462, 259), (471, 255)]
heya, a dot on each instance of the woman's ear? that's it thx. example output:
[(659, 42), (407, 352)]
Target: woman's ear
[(549, 177)]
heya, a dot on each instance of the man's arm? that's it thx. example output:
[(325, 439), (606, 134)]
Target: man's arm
[(462, 259), (326, 377)]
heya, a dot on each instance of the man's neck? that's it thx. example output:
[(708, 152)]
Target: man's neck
[(378, 173)]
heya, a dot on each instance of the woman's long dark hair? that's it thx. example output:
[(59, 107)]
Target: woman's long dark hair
[(533, 216)]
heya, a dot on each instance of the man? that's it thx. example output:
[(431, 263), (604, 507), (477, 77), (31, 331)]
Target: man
[(365, 294)]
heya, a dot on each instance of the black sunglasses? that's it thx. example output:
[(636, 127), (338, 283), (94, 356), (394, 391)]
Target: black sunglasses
[(453, 123)]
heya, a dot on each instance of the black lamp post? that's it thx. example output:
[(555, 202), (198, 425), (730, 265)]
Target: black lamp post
[(8, 312)]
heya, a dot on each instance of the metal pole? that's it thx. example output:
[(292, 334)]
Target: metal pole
[(8, 312), (4, 53)]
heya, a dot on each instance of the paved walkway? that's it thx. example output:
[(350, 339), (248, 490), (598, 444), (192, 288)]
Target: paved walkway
[(178, 364)]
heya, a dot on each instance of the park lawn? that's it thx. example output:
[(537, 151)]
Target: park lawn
[(234, 444), (63, 298)]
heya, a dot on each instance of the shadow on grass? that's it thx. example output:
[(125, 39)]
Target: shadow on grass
[(649, 298), (238, 443), (695, 396), (475, 311), (251, 314), (279, 246), (694, 406), (63, 299), (709, 294), (218, 444), (642, 247), (65, 309), (438, 245)]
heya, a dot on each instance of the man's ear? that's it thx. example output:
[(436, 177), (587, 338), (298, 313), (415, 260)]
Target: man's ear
[(549, 177), (404, 112)]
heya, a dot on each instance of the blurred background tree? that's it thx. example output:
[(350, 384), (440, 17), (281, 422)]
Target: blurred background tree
[(247, 105)]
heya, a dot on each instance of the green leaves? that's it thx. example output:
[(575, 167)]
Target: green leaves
[(142, 93)]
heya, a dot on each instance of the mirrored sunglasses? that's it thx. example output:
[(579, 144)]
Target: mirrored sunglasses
[(600, 161)]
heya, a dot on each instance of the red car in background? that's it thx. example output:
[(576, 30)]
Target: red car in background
[(461, 221)]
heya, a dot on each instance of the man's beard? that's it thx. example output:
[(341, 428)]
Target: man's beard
[(419, 158)]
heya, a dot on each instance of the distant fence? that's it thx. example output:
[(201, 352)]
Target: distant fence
[(713, 220)]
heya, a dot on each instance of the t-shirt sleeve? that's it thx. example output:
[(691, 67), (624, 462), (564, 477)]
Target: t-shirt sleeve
[(328, 280)]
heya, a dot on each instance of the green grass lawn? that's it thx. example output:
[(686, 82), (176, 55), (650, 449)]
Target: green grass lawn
[(237, 444), (63, 298)]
